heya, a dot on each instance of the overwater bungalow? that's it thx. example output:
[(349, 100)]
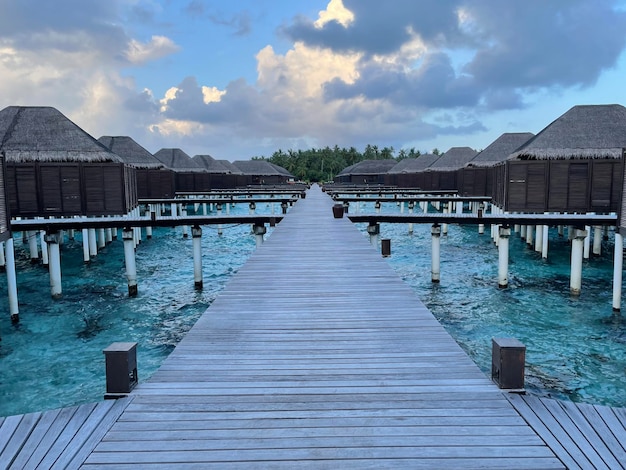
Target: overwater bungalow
[(154, 180), (54, 168), (366, 172), (189, 175), (220, 175), (409, 173), (442, 174), (476, 177), (575, 164), (261, 172)]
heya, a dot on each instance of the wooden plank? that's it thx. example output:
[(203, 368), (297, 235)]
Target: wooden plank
[(20, 434), (34, 440)]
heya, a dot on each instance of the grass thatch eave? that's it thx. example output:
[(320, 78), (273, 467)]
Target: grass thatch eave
[(568, 154)]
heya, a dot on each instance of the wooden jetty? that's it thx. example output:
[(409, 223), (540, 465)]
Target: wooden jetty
[(315, 355)]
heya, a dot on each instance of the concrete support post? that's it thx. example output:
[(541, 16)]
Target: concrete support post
[(560, 230), (196, 234), (173, 210), (482, 208), (183, 212), (11, 280), (597, 240), (93, 246), (377, 207), (259, 231), (52, 240), (401, 207), (578, 241), (411, 206), (530, 235), (33, 247), (283, 207), (86, 257), (101, 238), (587, 243), (459, 207), (219, 214), (3, 261), (252, 208), (374, 231), (151, 214), (44, 248), (538, 238), (503, 256), (129, 258), (108, 235), (618, 261), (445, 210), (544, 241), (435, 269), (522, 232)]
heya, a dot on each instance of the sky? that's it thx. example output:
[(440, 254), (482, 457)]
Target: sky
[(243, 78)]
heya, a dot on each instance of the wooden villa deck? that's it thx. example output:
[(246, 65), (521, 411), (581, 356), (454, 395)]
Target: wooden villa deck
[(316, 355)]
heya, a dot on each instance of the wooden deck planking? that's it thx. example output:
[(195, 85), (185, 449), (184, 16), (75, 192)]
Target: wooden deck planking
[(317, 356), (581, 435), (58, 438)]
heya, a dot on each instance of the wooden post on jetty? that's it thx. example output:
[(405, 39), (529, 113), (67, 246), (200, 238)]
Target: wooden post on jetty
[(196, 234), (618, 261), (129, 258), (259, 231), (504, 234), (374, 231), (435, 269), (11, 280), (578, 240), (52, 241)]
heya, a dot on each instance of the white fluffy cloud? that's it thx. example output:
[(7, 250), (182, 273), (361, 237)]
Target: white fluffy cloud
[(159, 46)]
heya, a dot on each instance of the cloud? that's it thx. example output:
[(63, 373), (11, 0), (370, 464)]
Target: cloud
[(158, 47)]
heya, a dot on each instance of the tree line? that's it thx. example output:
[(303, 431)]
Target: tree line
[(324, 163)]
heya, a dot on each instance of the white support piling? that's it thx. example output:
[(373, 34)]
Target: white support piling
[(129, 257), (597, 240), (219, 213), (86, 257), (227, 209), (173, 209), (196, 234), (251, 208), (538, 238), (522, 232), (377, 206), (445, 210), (578, 241), (504, 234), (530, 235), (93, 246), (459, 207), (560, 230), (618, 261), (11, 280), (435, 269), (401, 207), (108, 235), (3, 260), (45, 259), (587, 243), (101, 238), (183, 212), (54, 267), (33, 247), (544, 241), (410, 207)]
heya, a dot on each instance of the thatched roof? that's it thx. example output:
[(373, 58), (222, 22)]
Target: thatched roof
[(211, 165), (37, 133), (282, 171), (586, 131), (257, 168), (233, 169), (500, 149), (369, 167), (453, 159), (177, 160), (130, 151), (415, 165)]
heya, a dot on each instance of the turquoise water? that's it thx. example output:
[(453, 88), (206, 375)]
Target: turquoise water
[(576, 347), (54, 358)]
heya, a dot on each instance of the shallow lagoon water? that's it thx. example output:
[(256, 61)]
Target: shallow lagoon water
[(576, 347)]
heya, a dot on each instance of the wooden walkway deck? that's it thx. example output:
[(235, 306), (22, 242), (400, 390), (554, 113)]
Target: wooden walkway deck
[(314, 356)]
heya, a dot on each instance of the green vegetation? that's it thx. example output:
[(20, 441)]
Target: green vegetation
[(323, 164)]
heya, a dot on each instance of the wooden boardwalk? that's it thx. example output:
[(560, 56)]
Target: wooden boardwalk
[(316, 355)]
